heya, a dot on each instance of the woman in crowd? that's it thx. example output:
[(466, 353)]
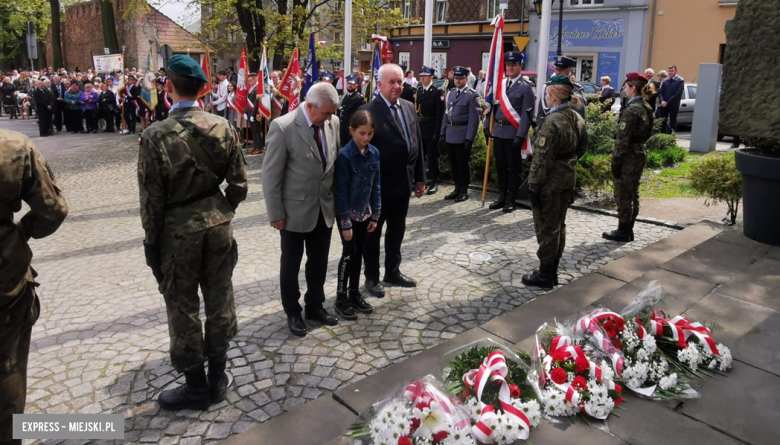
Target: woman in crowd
[(628, 161), (560, 142), (89, 101), (232, 111), (358, 203), (107, 102), (73, 108), (607, 97), (8, 96)]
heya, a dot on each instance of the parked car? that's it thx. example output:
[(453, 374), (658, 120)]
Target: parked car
[(590, 88), (687, 105)]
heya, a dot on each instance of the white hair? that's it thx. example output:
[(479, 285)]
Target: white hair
[(322, 93), (649, 70), (388, 68)]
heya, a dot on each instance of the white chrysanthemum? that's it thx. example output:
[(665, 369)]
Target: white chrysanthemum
[(606, 372), (531, 409), (459, 437), (690, 356), (725, 357), (649, 344), (668, 382)]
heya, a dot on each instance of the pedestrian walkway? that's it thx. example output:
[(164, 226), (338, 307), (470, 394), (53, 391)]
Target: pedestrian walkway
[(711, 274), (101, 344)]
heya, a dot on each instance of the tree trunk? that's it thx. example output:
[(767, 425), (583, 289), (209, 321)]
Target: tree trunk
[(56, 45), (109, 26), (254, 27)]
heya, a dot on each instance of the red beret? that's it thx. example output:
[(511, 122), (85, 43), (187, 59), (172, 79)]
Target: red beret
[(636, 76)]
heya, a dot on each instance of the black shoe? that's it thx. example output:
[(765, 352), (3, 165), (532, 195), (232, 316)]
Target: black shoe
[(323, 317), (375, 288), (540, 278), (631, 230), (193, 394), (555, 271), (462, 197), (509, 207), (219, 380), (297, 326), (357, 302), (499, 203), (455, 193), (621, 235), (432, 189), (108, 131), (399, 279), (343, 307)]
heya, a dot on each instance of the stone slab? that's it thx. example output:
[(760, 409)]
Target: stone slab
[(638, 263), (752, 332), (648, 422), (680, 292), (317, 422), (735, 236), (713, 261), (752, 293), (693, 235), (359, 396), (566, 432), (745, 405), (561, 303), (765, 271), (774, 253)]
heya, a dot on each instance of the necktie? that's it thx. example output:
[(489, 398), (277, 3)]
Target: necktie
[(508, 84), (396, 113), (317, 139)]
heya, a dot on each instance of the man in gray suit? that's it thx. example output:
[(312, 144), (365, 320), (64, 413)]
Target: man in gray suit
[(459, 129), (298, 188)]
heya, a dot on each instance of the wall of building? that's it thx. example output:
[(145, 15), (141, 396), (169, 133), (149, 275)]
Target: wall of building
[(687, 33)]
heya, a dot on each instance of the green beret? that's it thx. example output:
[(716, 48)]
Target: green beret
[(560, 79), (186, 66)]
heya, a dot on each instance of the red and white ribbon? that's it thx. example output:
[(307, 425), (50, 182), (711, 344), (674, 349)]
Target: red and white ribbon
[(419, 393), (682, 329), (494, 369), (592, 324)]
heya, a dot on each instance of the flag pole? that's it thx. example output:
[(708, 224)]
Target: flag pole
[(490, 141), (246, 121)]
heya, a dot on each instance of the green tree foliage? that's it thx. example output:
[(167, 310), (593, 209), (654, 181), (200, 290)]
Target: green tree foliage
[(716, 178), (13, 27)]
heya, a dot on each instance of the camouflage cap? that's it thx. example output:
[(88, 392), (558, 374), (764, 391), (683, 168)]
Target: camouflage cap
[(186, 66)]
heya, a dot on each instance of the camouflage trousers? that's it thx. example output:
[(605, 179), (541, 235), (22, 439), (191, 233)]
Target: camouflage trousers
[(16, 321), (627, 188), (550, 224), (206, 259)]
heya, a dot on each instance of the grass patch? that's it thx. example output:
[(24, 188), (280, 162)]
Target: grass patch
[(671, 182)]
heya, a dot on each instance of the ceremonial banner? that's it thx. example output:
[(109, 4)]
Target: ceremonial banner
[(264, 87), (495, 70), (290, 79), (148, 89), (241, 89), (312, 71), (205, 67), (107, 62), (376, 63)]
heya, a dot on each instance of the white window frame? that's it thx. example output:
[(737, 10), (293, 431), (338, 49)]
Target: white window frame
[(441, 11), (405, 59), (407, 9), (577, 69), (438, 61), (492, 9), (586, 3)]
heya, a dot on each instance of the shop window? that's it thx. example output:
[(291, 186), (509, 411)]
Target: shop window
[(441, 11), (231, 36), (407, 9), (578, 3), (492, 9)]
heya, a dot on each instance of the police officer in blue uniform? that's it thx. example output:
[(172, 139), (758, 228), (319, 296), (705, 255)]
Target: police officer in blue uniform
[(350, 102), (565, 66), (429, 105), (508, 140), (459, 128)]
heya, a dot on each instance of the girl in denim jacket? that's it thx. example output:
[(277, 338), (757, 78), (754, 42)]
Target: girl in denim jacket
[(358, 204)]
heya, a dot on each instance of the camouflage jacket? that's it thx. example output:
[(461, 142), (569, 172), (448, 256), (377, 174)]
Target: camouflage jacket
[(560, 142), (634, 129), (179, 192), (24, 176)]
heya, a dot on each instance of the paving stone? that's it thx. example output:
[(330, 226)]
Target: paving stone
[(751, 293), (219, 431)]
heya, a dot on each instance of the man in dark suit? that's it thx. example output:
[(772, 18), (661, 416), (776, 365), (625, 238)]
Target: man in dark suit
[(44, 103), (350, 103), (670, 96), (429, 105), (398, 138), (58, 89), (253, 116)]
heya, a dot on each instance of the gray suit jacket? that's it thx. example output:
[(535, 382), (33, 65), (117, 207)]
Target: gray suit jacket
[(295, 187)]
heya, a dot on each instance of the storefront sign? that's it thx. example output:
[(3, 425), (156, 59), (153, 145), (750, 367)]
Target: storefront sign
[(440, 44), (598, 33), (609, 65)]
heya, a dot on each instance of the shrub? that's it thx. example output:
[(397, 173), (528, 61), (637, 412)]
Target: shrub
[(659, 142), (587, 160), (673, 155), (717, 179), (654, 160), (601, 130), (478, 159), (770, 147), (658, 125)]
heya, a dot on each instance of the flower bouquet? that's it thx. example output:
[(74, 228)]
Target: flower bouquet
[(419, 413), (688, 346), (573, 379), (493, 382)]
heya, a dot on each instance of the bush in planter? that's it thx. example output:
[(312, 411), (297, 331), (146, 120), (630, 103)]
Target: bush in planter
[(660, 141), (673, 155), (764, 146), (717, 179), (601, 130), (598, 176)]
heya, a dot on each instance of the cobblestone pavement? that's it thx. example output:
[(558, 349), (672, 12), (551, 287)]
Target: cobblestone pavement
[(101, 343)]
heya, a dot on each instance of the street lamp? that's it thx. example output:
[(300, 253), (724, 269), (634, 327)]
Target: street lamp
[(538, 6)]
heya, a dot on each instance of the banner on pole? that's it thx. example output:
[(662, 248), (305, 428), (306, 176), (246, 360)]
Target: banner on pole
[(110, 62)]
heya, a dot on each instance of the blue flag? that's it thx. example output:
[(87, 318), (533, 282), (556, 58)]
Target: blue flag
[(377, 64), (312, 71)]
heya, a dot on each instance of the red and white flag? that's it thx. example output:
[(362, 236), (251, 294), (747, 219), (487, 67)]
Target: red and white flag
[(241, 89), (289, 85), (205, 67)]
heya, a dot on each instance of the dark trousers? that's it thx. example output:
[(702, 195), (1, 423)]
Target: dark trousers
[(669, 114), (257, 134), (90, 117), (129, 113), (550, 224), (16, 321), (431, 152), (73, 119), (108, 116), (394, 212), (460, 161), (118, 118), (58, 109), (317, 245), (509, 164), (352, 257), (44, 122)]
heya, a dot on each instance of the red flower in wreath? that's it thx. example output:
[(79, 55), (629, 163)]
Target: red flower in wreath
[(403, 440), (438, 437), (514, 391), (465, 394), (558, 376), (621, 324), (579, 383), (611, 328), (559, 356), (581, 365), (415, 424)]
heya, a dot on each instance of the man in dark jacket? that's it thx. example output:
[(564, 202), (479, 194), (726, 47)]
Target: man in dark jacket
[(107, 105), (350, 102), (44, 103), (670, 96)]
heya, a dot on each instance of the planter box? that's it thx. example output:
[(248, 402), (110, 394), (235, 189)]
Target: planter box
[(760, 196)]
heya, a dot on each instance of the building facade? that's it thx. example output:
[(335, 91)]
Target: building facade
[(605, 37)]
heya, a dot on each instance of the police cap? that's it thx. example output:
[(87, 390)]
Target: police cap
[(326, 76), (426, 71), (460, 71), (564, 62), (352, 79), (514, 57), (185, 66)]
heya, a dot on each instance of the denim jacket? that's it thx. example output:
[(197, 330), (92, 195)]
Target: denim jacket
[(357, 185)]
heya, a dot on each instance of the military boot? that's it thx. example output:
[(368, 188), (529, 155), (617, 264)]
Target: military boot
[(500, 203), (454, 193), (540, 278), (509, 206), (356, 301), (193, 394), (343, 307), (621, 235), (555, 271), (631, 230), (219, 380)]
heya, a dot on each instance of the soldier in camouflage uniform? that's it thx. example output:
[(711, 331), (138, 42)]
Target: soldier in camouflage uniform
[(189, 236), (24, 176), (628, 162), (560, 142)]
